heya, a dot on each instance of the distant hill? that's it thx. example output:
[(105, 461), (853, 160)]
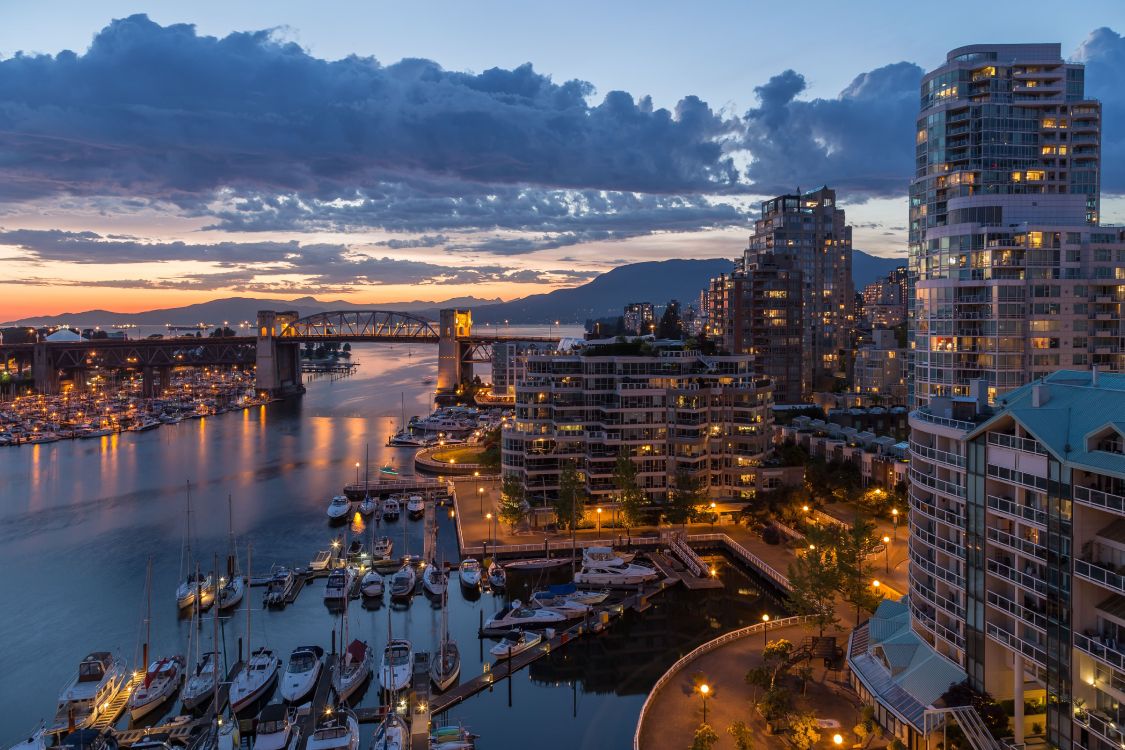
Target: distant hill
[(866, 268)]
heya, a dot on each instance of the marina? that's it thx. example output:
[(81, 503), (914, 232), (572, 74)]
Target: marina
[(278, 505)]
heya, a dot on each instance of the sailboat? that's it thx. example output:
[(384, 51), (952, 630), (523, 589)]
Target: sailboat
[(447, 666), (163, 676), (398, 662), (368, 505), (391, 734), (405, 580), (259, 672), (202, 684), (193, 587), (232, 587), (355, 666)]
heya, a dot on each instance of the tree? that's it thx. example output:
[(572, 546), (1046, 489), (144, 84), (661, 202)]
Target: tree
[(854, 547), (222, 332), (671, 326), (513, 501), (632, 500), (774, 704), (742, 734), (990, 712), (775, 659), (705, 738), (804, 731), (571, 500), (815, 580), (804, 674), (684, 495)]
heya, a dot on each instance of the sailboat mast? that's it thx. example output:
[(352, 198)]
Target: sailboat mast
[(148, 614), (249, 552), (215, 636), (366, 469), (230, 540)]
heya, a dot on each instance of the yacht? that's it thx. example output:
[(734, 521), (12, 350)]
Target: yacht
[(391, 509), (339, 585), (231, 591), (37, 740), (200, 685), (403, 583), (196, 585), (148, 423), (470, 573), (100, 678), (497, 577), (161, 682), (615, 575), (368, 505), (606, 556), (382, 548), (301, 673), (562, 599), (517, 615), (339, 507), (434, 580), (406, 439), (415, 506), (391, 734), (338, 730), (535, 564), (280, 586), (515, 642), (321, 561), (372, 584), (255, 679), (397, 666), (277, 728), (354, 670)]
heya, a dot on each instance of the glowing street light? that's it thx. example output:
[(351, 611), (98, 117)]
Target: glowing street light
[(599, 520), (887, 553), (894, 517), (765, 629), (837, 740), (704, 690)]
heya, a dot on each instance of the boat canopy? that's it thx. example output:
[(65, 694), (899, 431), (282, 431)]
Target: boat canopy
[(357, 650), (562, 589)]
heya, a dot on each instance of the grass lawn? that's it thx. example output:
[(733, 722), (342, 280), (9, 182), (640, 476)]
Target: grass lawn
[(458, 454)]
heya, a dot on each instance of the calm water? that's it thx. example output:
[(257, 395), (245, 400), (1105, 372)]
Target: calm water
[(79, 519)]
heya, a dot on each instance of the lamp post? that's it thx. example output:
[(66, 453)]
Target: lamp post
[(480, 494), (488, 517), (713, 515), (887, 553), (765, 630), (357, 473), (704, 690), (894, 519), (837, 740), (599, 521)]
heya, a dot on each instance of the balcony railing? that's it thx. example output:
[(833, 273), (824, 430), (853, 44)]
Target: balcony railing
[(1027, 580), (934, 454), (1102, 576), (1017, 544), (936, 484), (1033, 651), (1099, 499), (1099, 651), (1010, 507), (1027, 445), (957, 424), (1026, 614)]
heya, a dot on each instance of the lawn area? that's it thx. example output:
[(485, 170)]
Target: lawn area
[(458, 454)]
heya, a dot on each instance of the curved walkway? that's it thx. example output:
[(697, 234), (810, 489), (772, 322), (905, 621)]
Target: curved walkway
[(674, 708)]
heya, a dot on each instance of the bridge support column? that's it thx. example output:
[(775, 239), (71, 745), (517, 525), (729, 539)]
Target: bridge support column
[(43, 370), (453, 326), (278, 370)]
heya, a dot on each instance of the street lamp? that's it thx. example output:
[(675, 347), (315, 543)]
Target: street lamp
[(704, 690), (887, 553), (894, 518), (837, 740), (357, 473), (599, 521), (488, 517), (765, 629), (713, 515), (480, 494)]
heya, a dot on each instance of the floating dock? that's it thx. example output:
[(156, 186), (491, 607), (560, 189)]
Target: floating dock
[(430, 489)]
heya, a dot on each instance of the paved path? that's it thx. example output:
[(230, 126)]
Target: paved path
[(677, 709)]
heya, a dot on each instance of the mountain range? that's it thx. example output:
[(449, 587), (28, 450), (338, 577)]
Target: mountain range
[(603, 296)]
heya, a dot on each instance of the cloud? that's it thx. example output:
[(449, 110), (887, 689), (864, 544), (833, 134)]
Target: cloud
[(258, 266), (1103, 52), (860, 143)]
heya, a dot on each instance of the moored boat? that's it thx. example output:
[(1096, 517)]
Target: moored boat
[(515, 642), (397, 665), (301, 673), (280, 586), (403, 583), (391, 509), (434, 580), (372, 584), (339, 507), (602, 556), (519, 616), (354, 670), (615, 575), (162, 680), (101, 677), (391, 734), (415, 506), (200, 684), (277, 728), (497, 577), (339, 585), (337, 730), (470, 573)]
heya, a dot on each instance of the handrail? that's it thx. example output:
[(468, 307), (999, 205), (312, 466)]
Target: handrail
[(749, 557), (705, 648)]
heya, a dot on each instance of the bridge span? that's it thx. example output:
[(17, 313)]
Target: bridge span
[(275, 349)]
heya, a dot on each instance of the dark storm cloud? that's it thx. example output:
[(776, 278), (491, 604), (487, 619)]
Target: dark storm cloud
[(860, 143), (1103, 52)]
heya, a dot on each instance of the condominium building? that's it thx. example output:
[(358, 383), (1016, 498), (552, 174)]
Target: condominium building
[(508, 364), (1017, 531), (671, 410), (880, 369), (640, 318), (884, 300), (1012, 276)]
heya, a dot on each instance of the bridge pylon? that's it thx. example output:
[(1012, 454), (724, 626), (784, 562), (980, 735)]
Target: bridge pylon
[(278, 362), (454, 329)]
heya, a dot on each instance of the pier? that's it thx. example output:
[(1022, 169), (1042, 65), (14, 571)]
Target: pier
[(430, 489)]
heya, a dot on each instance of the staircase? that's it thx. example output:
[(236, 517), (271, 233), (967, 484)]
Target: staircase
[(971, 725), (109, 716)]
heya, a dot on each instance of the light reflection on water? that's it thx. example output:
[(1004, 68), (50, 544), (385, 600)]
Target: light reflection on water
[(78, 520)]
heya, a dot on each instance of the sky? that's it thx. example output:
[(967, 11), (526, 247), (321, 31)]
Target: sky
[(157, 154)]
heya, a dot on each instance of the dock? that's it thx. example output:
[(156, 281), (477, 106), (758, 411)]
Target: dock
[(183, 730), (430, 489), (688, 577)]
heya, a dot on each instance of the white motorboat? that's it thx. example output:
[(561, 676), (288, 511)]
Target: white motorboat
[(403, 583), (339, 585), (200, 684), (339, 507), (606, 556), (368, 505), (561, 598), (372, 584), (301, 673), (415, 506), (353, 672), (280, 586), (256, 677), (321, 562), (405, 439), (391, 509), (515, 642), (338, 730), (391, 734), (497, 577), (277, 728), (397, 665), (519, 616), (615, 575), (101, 677), (434, 579), (470, 573), (195, 586), (382, 548), (161, 682)]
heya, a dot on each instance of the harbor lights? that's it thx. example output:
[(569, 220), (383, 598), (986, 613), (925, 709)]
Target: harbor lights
[(488, 517), (705, 690), (357, 474), (713, 515), (765, 630)]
